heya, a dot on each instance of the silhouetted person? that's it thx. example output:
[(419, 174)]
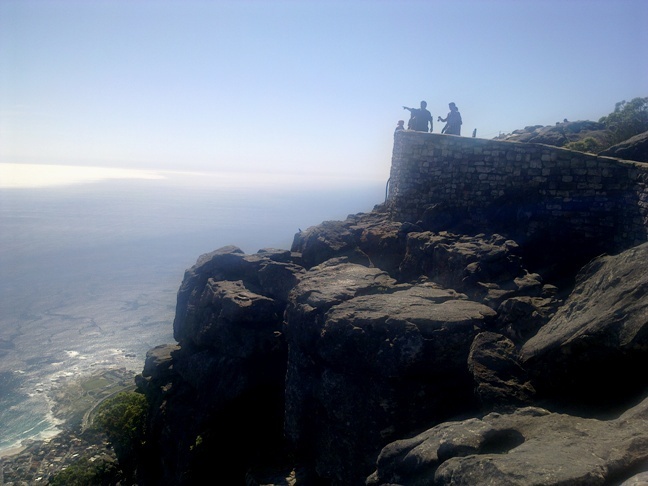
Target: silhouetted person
[(453, 121), (400, 126), (419, 119)]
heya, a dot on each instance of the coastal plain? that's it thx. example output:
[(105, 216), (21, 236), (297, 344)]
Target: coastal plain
[(75, 401)]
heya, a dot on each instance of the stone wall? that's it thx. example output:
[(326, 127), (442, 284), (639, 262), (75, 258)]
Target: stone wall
[(530, 190)]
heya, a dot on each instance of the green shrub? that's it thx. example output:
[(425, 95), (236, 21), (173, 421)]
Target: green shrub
[(628, 119), (87, 473), (123, 419), (588, 144)]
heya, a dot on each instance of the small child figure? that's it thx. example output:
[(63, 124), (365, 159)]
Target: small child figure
[(400, 126)]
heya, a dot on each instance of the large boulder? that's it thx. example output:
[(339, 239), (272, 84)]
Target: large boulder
[(501, 383), (456, 261), (370, 360), (488, 268), (369, 239), (530, 447), (330, 239), (635, 148), (591, 351), (560, 134), (267, 273)]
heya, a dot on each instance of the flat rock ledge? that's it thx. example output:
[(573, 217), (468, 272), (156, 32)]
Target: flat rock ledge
[(529, 447)]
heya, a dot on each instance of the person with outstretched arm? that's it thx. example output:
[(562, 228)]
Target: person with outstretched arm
[(419, 119)]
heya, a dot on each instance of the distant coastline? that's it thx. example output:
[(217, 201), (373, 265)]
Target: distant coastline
[(12, 451), (75, 403)]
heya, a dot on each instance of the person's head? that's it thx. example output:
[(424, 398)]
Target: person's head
[(423, 104), (452, 106), (401, 123)]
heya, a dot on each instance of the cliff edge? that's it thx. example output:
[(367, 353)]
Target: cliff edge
[(376, 351)]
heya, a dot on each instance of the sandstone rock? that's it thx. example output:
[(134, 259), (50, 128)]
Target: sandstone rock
[(266, 274), (219, 264), (559, 134), (225, 380), (640, 479), (416, 330), (635, 148), (487, 268), (330, 239), (390, 330), (277, 279), (599, 335), (520, 318), (367, 239), (548, 136), (531, 446), (159, 361), (277, 254), (390, 356), (382, 240), (232, 319), (500, 381)]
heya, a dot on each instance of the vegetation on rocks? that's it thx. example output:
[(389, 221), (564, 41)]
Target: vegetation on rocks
[(628, 119), (123, 418), (85, 472)]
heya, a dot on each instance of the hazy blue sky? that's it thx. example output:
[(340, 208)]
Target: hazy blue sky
[(298, 86)]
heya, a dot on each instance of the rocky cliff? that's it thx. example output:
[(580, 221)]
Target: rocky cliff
[(388, 352), (591, 136)]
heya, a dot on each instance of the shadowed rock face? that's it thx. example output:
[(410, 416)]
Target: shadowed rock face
[(500, 380), (383, 356), (224, 382), (599, 335), (326, 359), (588, 357)]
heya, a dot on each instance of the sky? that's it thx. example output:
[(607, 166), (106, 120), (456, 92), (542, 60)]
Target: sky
[(307, 87)]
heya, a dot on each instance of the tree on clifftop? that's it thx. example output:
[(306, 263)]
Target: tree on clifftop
[(628, 119), (123, 419)]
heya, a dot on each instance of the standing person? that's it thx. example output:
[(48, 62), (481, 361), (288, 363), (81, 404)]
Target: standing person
[(453, 125), (400, 126), (420, 117)]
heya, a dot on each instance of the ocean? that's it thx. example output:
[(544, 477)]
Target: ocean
[(91, 261)]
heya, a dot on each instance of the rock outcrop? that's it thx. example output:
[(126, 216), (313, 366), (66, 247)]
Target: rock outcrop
[(224, 381), (635, 148), (408, 353), (560, 134), (324, 359), (528, 447), (369, 360), (585, 360), (598, 336)]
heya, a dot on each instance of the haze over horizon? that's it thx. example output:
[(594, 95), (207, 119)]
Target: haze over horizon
[(298, 87)]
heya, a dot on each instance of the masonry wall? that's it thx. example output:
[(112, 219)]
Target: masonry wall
[(530, 188)]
